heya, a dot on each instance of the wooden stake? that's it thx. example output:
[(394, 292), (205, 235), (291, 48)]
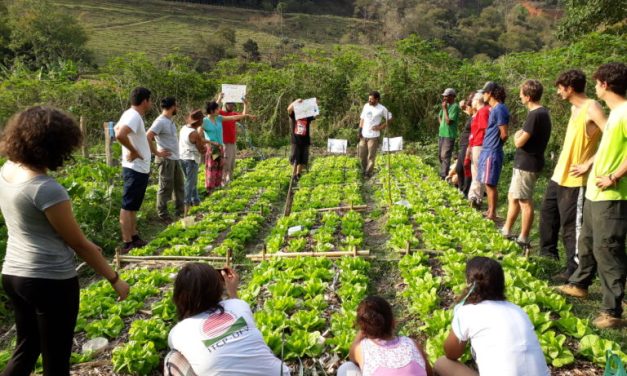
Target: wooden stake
[(335, 254), (118, 263), (122, 258), (108, 152), (288, 201), (263, 252), (351, 207), (229, 256), (83, 126)]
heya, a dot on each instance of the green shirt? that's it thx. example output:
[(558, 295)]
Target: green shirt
[(612, 152), (449, 130)]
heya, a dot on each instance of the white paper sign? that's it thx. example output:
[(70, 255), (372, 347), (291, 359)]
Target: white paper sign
[(306, 108), (337, 146), (392, 144), (233, 93)]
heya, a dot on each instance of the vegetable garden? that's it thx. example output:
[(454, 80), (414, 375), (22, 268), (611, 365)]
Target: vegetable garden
[(305, 306)]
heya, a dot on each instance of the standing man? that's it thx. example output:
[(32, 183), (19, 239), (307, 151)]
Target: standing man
[(229, 136), (475, 144), (171, 180), (491, 157), (530, 142), (448, 119), (131, 134), (602, 240), (301, 139), (562, 206), (372, 121)]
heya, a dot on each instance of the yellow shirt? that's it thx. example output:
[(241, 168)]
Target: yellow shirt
[(578, 148), (612, 152)]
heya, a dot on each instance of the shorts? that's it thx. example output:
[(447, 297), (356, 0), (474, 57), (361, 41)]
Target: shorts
[(522, 185), (135, 184), (300, 154), (490, 166)]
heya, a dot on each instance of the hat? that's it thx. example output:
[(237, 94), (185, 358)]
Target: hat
[(449, 92), (489, 87), (195, 117)]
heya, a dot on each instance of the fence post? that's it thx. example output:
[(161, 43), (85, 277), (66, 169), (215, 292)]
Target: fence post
[(107, 136), (84, 150)]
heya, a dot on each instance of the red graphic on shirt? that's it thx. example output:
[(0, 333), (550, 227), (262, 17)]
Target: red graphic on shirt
[(301, 127), (217, 324)]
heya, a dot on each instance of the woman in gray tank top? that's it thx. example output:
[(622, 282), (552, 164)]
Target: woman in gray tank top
[(38, 273)]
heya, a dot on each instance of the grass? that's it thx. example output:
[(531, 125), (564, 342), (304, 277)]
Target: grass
[(158, 28)]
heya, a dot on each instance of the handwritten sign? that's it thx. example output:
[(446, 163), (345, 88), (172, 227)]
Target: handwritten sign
[(392, 144), (306, 108), (337, 146), (233, 93)]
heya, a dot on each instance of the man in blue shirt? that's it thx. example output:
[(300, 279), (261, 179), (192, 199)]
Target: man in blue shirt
[(491, 157)]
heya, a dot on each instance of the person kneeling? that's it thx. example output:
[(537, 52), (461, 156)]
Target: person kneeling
[(501, 334), (377, 351), (216, 336)]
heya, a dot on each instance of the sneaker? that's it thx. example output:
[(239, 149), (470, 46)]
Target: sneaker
[(126, 248), (561, 277), (572, 290), (607, 321), (138, 242)]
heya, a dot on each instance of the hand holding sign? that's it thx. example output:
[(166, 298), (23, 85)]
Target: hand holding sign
[(233, 93), (306, 108)]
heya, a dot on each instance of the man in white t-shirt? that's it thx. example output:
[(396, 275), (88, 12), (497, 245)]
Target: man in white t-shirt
[(372, 121), (131, 134), (171, 181)]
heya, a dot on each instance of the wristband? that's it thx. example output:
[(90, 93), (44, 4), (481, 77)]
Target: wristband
[(114, 279)]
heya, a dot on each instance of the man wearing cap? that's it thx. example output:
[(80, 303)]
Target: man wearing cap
[(191, 148), (229, 135), (448, 118), (491, 157)]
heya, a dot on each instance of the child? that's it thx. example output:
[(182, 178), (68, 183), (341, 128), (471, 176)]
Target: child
[(377, 351)]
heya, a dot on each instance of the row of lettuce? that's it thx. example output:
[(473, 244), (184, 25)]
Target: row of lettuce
[(434, 222)]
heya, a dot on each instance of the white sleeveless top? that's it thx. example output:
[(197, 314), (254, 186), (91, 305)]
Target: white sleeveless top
[(188, 150), (399, 356)]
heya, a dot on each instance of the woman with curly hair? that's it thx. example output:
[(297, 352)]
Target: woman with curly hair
[(38, 273), (501, 335)]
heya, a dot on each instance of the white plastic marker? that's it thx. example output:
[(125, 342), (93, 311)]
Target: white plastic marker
[(306, 108), (233, 93), (392, 144), (337, 146)]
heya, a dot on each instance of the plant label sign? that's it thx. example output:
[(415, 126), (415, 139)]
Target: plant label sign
[(337, 146), (306, 108), (233, 93), (392, 144)]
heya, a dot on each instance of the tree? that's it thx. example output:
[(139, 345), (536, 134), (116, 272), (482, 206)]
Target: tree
[(583, 16), (251, 48), (41, 35)]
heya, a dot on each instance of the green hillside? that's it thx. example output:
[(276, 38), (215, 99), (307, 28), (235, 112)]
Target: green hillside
[(156, 27)]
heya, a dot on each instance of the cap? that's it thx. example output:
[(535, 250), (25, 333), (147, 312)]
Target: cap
[(489, 86), (449, 92)]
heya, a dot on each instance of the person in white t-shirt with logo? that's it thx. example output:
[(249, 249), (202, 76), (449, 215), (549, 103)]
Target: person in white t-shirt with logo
[(502, 337), (372, 122), (130, 131), (216, 336)]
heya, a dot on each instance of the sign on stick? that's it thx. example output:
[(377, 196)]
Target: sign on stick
[(233, 93), (337, 146), (392, 144)]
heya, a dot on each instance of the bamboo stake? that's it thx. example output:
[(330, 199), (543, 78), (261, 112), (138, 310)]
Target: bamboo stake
[(118, 263), (229, 257), (334, 254), (171, 258), (351, 207), (83, 127), (288, 201), (108, 153)]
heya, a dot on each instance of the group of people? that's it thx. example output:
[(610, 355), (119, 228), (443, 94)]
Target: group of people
[(586, 197), (217, 336), (177, 156)]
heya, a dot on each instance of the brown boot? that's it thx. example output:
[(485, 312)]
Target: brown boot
[(573, 290), (607, 321)]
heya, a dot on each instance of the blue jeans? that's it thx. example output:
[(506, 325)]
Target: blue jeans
[(190, 169)]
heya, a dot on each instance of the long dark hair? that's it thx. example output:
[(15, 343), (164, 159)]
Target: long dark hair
[(375, 317), (198, 288), (488, 279)]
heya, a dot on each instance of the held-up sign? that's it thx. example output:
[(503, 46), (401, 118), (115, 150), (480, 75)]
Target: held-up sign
[(306, 108), (337, 146), (233, 93), (392, 144)]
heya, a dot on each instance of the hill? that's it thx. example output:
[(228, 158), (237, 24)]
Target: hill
[(158, 28)]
